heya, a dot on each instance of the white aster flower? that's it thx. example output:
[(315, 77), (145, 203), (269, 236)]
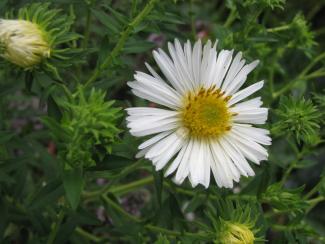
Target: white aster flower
[(23, 43), (205, 123)]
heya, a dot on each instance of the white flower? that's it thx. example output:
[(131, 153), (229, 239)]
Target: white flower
[(23, 43), (205, 124)]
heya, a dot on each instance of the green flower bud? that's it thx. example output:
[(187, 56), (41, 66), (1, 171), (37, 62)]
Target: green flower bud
[(23, 43), (236, 233)]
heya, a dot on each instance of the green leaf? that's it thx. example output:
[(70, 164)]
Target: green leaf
[(162, 240), (138, 46), (5, 136), (107, 21), (53, 109), (159, 179), (73, 185), (47, 195)]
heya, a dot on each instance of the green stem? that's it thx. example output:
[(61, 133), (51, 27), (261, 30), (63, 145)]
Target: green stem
[(314, 189), (150, 227), (121, 42), (287, 172), (313, 202), (279, 28), (316, 74), (123, 189), (107, 188), (88, 235), (87, 29), (157, 229), (55, 227), (231, 18), (291, 84), (284, 227), (312, 63), (191, 13), (203, 194), (303, 75), (120, 209)]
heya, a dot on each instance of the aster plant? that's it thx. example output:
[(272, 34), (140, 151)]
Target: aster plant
[(165, 122)]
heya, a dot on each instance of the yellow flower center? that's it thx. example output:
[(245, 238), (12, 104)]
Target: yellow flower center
[(206, 114)]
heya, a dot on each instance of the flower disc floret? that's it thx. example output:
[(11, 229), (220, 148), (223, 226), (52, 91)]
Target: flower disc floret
[(206, 113)]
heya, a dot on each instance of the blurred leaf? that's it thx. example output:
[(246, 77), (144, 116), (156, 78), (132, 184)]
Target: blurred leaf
[(73, 184), (6, 136), (138, 46)]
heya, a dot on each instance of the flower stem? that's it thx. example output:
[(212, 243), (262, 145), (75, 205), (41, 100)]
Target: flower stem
[(231, 18), (161, 230), (314, 189), (303, 75), (107, 188), (88, 235), (279, 28), (121, 42), (55, 227), (120, 209), (313, 202), (87, 29), (312, 63), (191, 13), (122, 189), (287, 172), (150, 227)]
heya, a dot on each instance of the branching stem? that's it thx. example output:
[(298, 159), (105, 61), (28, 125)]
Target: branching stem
[(121, 42)]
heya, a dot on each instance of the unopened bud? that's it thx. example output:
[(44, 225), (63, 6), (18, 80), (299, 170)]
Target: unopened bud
[(23, 43)]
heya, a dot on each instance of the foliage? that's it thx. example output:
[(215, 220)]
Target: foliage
[(87, 122), (68, 172), (297, 117)]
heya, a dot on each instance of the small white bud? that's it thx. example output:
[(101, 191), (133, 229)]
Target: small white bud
[(23, 43)]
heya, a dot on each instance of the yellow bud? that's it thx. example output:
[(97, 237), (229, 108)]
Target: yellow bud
[(236, 233), (23, 43)]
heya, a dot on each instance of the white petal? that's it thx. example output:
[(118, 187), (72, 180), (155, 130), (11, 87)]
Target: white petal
[(240, 78), (256, 148), (151, 96), (156, 124), (183, 169), (154, 73), (251, 115), (208, 76), (223, 63), (205, 59), (167, 67), (164, 150), (174, 165), (237, 158), (197, 163), (235, 67), (196, 61), (149, 83), (245, 93), (255, 134), (154, 139), (255, 103), (222, 167), (206, 164)]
